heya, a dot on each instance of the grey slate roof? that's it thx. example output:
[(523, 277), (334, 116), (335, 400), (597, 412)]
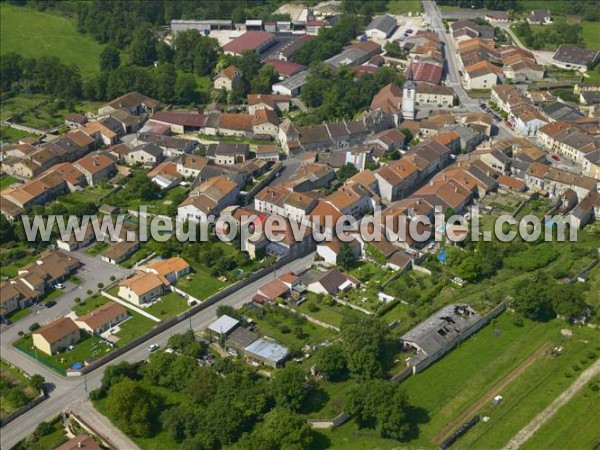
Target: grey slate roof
[(386, 24)]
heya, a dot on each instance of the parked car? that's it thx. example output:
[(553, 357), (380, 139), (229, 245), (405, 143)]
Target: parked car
[(50, 304), (59, 286), (153, 347)]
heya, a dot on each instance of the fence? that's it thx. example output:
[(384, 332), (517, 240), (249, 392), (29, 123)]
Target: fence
[(44, 361), (23, 409)]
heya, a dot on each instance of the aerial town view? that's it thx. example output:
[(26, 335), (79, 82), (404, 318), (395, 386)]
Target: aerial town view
[(299, 224)]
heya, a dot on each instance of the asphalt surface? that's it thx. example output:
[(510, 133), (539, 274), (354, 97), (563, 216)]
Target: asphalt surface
[(68, 393)]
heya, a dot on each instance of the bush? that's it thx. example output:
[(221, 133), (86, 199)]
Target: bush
[(100, 285), (90, 292), (34, 326), (112, 278), (284, 329), (43, 429), (313, 308), (77, 299)]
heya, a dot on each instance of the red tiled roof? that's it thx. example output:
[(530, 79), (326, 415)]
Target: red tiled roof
[(286, 68), (250, 40), (186, 119), (424, 71)]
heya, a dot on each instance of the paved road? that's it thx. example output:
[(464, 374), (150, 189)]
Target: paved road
[(453, 78), (69, 392)]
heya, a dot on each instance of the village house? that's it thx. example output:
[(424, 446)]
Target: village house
[(96, 168), (180, 122), (432, 95), (481, 75), (329, 251), (171, 146), (265, 123), (208, 198), (118, 252), (142, 287), (191, 165), (132, 102), (146, 155), (75, 120), (227, 79), (166, 175), (539, 17), (272, 102), (171, 268), (228, 154), (56, 336), (102, 318), (331, 282)]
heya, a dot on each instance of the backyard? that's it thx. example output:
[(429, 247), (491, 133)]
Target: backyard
[(326, 309), (16, 390), (170, 305), (199, 283), (92, 194), (8, 135), (288, 328)]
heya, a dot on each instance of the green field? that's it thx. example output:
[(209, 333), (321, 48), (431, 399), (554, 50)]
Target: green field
[(327, 310), (573, 425), (591, 34), (8, 135), (6, 181), (35, 34), (400, 7)]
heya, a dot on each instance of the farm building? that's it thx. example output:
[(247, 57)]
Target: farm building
[(438, 334)]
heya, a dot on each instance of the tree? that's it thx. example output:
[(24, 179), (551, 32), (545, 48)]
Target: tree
[(347, 259), (110, 59), (37, 382), (290, 387), (114, 374), (264, 79), (185, 88), (331, 362), (134, 408), (281, 429), (143, 46), (348, 170), (187, 344), (380, 405), (165, 79), (7, 232), (363, 343), (202, 386)]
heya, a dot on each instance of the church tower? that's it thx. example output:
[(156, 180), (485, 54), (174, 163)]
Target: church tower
[(408, 100)]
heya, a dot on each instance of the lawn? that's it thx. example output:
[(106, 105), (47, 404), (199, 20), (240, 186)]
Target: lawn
[(169, 306), (8, 134), (140, 254), (328, 399), (132, 328), (11, 269), (591, 34), (348, 437), (18, 314), (87, 347), (97, 248), (13, 379), (88, 195), (327, 310), (288, 328), (200, 283), (573, 425), (164, 205), (35, 34), (401, 7), (51, 295), (6, 181)]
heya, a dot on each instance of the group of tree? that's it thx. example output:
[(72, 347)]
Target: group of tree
[(552, 36), (330, 41), (218, 406), (338, 94), (115, 21), (256, 77), (542, 298), (360, 353)]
